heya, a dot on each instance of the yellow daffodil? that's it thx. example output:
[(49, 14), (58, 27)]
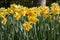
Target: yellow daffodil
[(30, 12), (40, 8), (45, 9), (4, 20), (17, 16), (36, 11), (2, 9), (27, 26), (5, 12), (2, 12), (13, 6), (46, 14), (9, 10), (54, 5), (55, 9), (23, 11), (32, 19)]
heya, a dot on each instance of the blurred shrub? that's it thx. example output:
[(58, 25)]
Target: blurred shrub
[(6, 3), (28, 3)]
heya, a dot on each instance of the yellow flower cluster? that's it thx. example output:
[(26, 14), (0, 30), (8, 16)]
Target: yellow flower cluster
[(32, 13)]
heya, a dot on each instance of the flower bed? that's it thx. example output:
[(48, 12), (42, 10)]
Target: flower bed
[(37, 23)]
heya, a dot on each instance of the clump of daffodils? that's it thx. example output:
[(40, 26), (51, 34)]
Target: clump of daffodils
[(32, 14)]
